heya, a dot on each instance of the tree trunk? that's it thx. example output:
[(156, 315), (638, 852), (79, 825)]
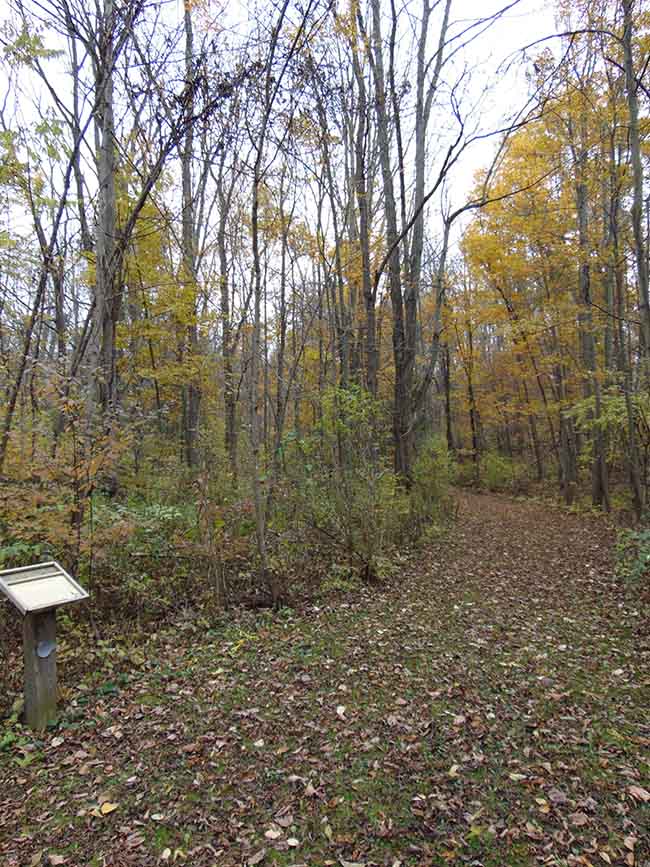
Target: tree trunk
[(402, 354), (107, 289), (634, 138), (192, 397), (568, 458), (591, 388), (446, 378)]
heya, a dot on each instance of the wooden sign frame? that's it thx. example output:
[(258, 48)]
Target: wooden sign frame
[(40, 587), (37, 591)]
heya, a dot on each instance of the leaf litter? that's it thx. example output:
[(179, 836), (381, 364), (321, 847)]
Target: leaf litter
[(495, 714)]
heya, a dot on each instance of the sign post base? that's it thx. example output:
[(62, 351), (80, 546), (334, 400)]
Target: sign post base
[(37, 591), (39, 648)]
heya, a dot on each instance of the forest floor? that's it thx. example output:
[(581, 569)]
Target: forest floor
[(489, 707)]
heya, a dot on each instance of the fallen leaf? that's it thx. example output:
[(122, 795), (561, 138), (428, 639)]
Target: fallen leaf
[(107, 808), (629, 842), (340, 711), (273, 834), (639, 793), (284, 821), (257, 858), (166, 854), (533, 831)]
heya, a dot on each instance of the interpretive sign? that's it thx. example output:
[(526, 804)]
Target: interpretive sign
[(37, 591), (38, 588)]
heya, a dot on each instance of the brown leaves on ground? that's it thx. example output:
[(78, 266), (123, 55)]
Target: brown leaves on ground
[(490, 708)]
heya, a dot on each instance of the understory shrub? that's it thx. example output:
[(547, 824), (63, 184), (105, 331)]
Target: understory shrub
[(138, 555), (613, 422), (501, 473), (14, 554), (494, 472), (343, 490), (633, 556), (36, 523), (361, 511), (497, 472), (433, 473), (336, 510)]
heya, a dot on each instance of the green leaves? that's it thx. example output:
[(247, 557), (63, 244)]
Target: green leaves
[(633, 555), (26, 46)]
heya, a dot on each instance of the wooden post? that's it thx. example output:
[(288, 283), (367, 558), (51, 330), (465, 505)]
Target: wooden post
[(39, 648)]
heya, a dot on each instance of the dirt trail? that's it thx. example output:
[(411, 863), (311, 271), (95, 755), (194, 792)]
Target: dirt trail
[(487, 708)]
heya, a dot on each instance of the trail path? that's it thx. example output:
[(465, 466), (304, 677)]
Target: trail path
[(491, 708)]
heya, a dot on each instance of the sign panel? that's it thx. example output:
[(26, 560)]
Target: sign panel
[(40, 587)]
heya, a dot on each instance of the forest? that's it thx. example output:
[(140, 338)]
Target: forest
[(244, 293), (325, 370)]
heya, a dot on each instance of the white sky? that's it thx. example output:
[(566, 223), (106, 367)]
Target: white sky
[(497, 58), (498, 87), (498, 83)]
